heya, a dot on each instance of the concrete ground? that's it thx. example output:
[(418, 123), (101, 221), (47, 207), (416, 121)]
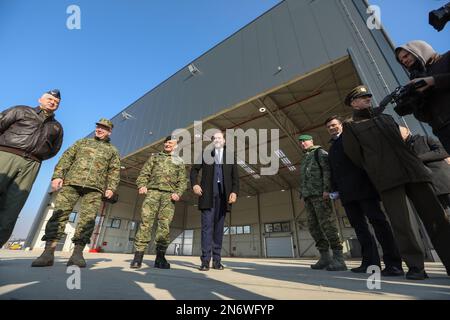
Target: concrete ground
[(108, 276)]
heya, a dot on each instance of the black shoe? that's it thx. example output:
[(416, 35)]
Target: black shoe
[(360, 269), (391, 271), (137, 260), (204, 267), (218, 266), (416, 274), (160, 261)]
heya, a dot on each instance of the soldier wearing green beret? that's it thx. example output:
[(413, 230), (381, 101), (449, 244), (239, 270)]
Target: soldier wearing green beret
[(88, 170), (315, 186)]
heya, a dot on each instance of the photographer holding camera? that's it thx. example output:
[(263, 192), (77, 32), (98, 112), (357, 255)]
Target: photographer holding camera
[(430, 103)]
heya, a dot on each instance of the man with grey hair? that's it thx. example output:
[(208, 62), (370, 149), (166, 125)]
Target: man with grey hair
[(217, 190), (431, 152), (27, 137)]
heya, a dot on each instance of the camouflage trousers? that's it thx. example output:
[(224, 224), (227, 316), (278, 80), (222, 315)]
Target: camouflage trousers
[(157, 205), (322, 224), (65, 202)]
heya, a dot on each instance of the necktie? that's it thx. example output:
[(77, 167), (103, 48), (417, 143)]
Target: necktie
[(218, 156)]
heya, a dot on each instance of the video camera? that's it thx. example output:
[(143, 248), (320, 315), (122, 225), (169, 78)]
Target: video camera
[(406, 98), (438, 18)]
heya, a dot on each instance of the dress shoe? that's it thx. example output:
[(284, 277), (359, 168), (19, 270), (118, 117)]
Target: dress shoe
[(391, 271), (416, 274), (204, 267), (360, 269), (218, 266)]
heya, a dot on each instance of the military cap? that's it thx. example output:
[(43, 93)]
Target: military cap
[(305, 137), (55, 93), (359, 91), (168, 138), (105, 122)]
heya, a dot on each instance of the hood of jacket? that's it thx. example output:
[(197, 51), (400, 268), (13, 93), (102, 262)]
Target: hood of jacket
[(422, 51)]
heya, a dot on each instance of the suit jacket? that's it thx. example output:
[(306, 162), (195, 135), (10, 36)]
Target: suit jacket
[(230, 180), (351, 182)]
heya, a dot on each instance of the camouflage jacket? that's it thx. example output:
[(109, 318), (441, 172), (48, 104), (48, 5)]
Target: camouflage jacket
[(163, 172), (313, 180), (90, 163)]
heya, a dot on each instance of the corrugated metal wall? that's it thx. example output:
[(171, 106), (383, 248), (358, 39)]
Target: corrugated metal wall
[(296, 35)]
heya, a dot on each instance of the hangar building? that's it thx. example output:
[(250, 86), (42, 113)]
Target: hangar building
[(289, 69)]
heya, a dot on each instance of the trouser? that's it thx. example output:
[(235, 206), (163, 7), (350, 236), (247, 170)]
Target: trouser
[(17, 175), (357, 211), (65, 201), (430, 212), (444, 199), (322, 224), (157, 205), (444, 137), (213, 220)]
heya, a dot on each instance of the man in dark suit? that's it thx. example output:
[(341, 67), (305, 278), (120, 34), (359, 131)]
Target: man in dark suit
[(217, 192), (361, 200), (435, 158)]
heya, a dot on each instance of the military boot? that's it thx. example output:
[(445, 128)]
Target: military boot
[(324, 261), (161, 261), (337, 262), (137, 260), (47, 258), (77, 257)]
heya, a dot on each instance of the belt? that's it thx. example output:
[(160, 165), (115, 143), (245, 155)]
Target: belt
[(156, 189), (20, 153)]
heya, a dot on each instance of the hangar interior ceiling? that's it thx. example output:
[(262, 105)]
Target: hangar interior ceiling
[(300, 106)]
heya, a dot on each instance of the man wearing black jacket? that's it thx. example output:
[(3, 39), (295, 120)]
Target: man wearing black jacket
[(373, 142), (361, 200), (423, 63), (434, 157), (217, 192), (27, 137)]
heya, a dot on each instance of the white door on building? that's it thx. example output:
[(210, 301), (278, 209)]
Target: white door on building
[(279, 247)]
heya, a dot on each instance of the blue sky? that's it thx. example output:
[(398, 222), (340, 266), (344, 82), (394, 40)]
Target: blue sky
[(125, 48)]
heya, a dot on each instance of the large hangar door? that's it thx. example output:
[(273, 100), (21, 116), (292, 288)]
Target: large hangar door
[(279, 247)]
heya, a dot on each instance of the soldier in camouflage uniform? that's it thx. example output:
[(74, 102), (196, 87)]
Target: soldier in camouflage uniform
[(163, 180), (88, 170), (315, 187)]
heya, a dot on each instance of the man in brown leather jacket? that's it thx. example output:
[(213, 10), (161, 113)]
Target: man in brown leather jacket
[(27, 137)]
